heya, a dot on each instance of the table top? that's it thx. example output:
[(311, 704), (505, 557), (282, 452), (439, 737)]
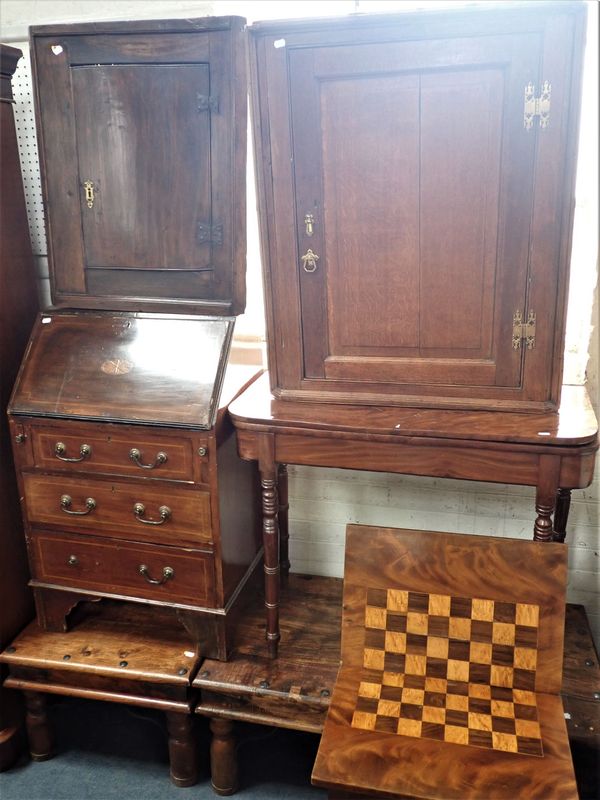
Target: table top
[(573, 424)]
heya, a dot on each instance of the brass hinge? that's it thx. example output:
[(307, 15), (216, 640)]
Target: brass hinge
[(523, 330), (208, 103), (537, 106), (210, 234)]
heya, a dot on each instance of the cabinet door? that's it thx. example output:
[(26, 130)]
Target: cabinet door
[(425, 211), (143, 143)]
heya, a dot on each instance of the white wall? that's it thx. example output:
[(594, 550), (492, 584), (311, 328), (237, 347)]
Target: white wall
[(323, 501)]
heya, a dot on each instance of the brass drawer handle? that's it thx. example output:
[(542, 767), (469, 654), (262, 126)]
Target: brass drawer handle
[(140, 508), (73, 561), (168, 573), (65, 502), (136, 456), (85, 451)]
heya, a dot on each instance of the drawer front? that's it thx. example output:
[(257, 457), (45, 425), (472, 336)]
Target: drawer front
[(130, 452), (148, 511), (124, 568)]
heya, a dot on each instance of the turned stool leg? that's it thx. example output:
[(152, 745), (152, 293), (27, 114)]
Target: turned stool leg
[(223, 758), (545, 497), (561, 514), (284, 533), (182, 749), (38, 728)]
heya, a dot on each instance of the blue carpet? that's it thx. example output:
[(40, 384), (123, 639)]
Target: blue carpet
[(106, 751)]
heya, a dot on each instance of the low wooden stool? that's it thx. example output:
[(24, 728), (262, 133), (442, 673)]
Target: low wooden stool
[(452, 650), (121, 653), (292, 691)]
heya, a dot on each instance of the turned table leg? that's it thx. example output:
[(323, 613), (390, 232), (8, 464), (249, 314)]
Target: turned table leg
[(545, 497), (223, 758), (183, 754), (270, 531), (38, 727), (561, 515), (284, 534)]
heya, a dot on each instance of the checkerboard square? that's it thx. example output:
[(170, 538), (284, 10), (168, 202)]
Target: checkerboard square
[(413, 696), (502, 676), (503, 655), (479, 722), (375, 618), (529, 729), (367, 704), (391, 693), (435, 699), (432, 731), (438, 626), (454, 717), (479, 673), (373, 659), (504, 612), (525, 712), (416, 622), (459, 628), (418, 601), (433, 684), (364, 721), (459, 651), (504, 741), (437, 647), (503, 708), (502, 693), (479, 705), (431, 714), (480, 653), (387, 708), (529, 747), (409, 727), (481, 631), (458, 670), (396, 622), (461, 607), (503, 633), (458, 687), (439, 605), (394, 662), (503, 725), (416, 643), (457, 702), (480, 690), (436, 667), (525, 658), (524, 679), (397, 600), (482, 609), (415, 665), (377, 597), (375, 638), (455, 734), (394, 679), (480, 738), (394, 642), (525, 636), (367, 689), (386, 724), (526, 698), (410, 711), (414, 681), (527, 615)]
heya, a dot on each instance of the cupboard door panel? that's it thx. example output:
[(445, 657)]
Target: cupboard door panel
[(141, 139), (413, 159)]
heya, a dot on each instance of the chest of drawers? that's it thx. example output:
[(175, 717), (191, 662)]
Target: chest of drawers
[(130, 482)]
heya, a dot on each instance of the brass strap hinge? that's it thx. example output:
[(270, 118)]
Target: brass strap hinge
[(523, 330), (208, 103), (209, 234), (537, 106)]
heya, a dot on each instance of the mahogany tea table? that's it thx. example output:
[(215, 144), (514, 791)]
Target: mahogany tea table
[(553, 451)]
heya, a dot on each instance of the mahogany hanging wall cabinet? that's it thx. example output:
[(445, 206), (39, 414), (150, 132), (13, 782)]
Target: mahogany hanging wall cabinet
[(416, 177), (142, 127)]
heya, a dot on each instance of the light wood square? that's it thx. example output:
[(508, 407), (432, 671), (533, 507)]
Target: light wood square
[(524, 698), (388, 708), (413, 696), (367, 689), (527, 614), (409, 727), (503, 633), (480, 722), (458, 670), (439, 605), (361, 719), (452, 733), (436, 685), (374, 659), (502, 676), (525, 658), (375, 618), (480, 653), (480, 690), (431, 714), (416, 623), (393, 679), (397, 600), (395, 642), (437, 647), (482, 609), (504, 741), (415, 665), (502, 708), (458, 702), (459, 628), (529, 728)]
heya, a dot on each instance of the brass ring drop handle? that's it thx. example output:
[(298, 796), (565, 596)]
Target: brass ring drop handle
[(168, 573), (136, 456), (65, 502), (85, 451), (140, 508), (309, 261)]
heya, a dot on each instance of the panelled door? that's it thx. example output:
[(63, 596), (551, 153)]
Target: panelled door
[(426, 221)]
